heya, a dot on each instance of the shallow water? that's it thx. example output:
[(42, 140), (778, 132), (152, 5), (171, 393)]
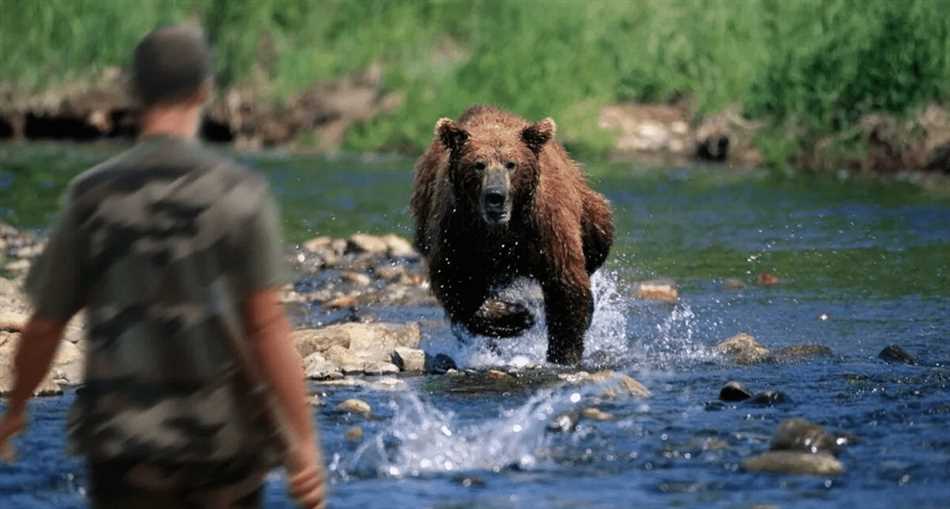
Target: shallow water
[(870, 258)]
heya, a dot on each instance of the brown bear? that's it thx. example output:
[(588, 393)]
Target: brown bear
[(497, 198)]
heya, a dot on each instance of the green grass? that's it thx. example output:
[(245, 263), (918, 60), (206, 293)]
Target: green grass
[(806, 67)]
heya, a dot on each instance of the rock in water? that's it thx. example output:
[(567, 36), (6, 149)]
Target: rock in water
[(743, 349), (663, 291), (734, 391), (363, 243), (440, 364), (410, 360), (769, 398), (354, 434), (355, 406), (804, 436), (896, 355), (797, 463), (380, 368), (317, 367), (800, 353), (767, 279), (596, 414)]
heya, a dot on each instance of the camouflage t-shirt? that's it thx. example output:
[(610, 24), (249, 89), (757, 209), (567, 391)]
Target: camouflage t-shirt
[(161, 245)]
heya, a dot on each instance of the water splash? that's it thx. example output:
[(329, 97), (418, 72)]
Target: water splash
[(606, 338), (421, 439)]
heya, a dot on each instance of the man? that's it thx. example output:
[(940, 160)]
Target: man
[(175, 254)]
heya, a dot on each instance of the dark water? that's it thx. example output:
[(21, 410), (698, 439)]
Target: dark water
[(862, 265)]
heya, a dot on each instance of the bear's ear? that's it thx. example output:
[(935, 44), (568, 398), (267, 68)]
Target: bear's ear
[(536, 135), (452, 136)]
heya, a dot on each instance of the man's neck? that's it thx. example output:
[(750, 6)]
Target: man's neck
[(180, 121)]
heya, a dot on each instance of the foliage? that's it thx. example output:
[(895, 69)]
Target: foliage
[(818, 65)]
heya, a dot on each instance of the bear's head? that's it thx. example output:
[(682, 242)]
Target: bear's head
[(494, 168)]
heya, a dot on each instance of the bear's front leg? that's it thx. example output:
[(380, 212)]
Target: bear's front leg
[(568, 307)]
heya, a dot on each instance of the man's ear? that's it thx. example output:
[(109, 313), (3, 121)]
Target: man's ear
[(452, 136), (537, 134)]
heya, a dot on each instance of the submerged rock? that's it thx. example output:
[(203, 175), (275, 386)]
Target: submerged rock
[(799, 353), (410, 360), (743, 349), (769, 398), (733, 283), (354, 434), (804, 436), (355, 406), (495, 374), (440, 364), (897, 355), (734, 391), (615, 384), (564, 423), (796, 463), (768, 279), (596, 414)]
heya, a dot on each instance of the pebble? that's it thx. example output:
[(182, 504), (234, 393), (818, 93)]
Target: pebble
[(734, 391), (495, 374), (768, 279), (354, 434), (733, 283), (355, 406), (659, 291), (896, 355), (596, 414), (439, 364)]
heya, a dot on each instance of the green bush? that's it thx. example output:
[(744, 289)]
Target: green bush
[(818, 65)]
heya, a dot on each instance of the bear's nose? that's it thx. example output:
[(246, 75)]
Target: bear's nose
[(494, 198)]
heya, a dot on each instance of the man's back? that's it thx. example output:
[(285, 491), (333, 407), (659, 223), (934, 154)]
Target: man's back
[(167, 239)]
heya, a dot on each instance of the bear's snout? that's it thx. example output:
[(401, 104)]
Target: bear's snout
[(496, 197)]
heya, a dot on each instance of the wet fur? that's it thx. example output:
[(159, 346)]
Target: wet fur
[(560, 230)]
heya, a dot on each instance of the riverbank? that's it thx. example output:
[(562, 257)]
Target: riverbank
[(817, 85)]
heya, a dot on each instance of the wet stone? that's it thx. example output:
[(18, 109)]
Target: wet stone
[(596, 414), (768, 279), (769, 398), (734, 391), (797, 353), (794, 463), (564, 423), (663, 291), (469, 481), (894, 354), (380, 368), (733, 283), (804, 436), (743, 349), (355, 406), (410, 360), (494, 374), (440, 364), (354, 434)]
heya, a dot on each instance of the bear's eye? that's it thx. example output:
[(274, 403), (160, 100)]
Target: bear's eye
[(510, 165), (479, 166)]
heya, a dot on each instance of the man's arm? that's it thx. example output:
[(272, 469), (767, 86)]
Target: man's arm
[(34, 355), (282, 370)]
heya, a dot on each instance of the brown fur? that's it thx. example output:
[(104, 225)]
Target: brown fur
[(559, 231)]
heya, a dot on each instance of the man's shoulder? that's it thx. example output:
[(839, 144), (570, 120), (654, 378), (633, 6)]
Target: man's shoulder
[(149, 162)]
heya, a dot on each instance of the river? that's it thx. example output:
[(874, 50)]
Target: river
[(861, 264)]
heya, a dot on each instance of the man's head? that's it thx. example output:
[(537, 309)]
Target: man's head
[(172, 65)]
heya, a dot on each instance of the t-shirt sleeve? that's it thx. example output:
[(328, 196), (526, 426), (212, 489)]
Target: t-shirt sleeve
[(55, 284), (263, 265)]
